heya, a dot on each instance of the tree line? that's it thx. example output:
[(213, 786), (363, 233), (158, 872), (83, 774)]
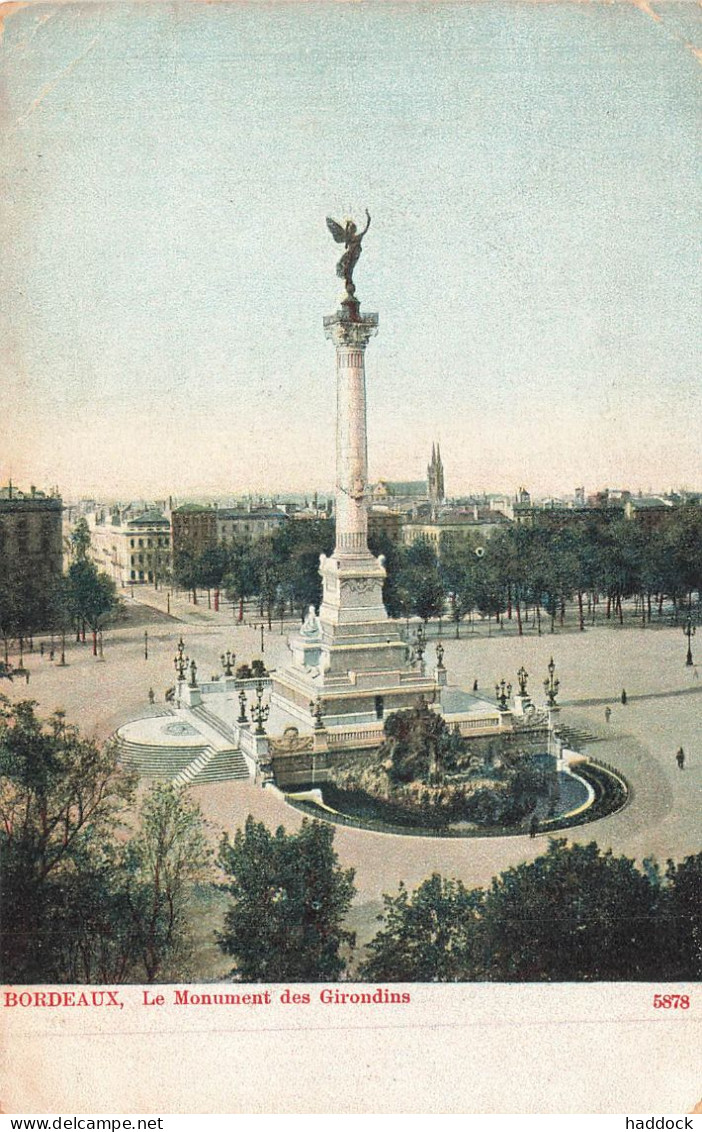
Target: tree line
[(526, 573), (94, 892), (84, 598)]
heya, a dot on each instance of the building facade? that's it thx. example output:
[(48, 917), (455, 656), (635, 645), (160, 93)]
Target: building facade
[(31, 538), (193, 528), (134, 550)]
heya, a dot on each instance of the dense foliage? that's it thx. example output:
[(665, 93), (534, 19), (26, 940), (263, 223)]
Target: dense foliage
[(575, 913), (289, 900), (527, 573), (81, 901)]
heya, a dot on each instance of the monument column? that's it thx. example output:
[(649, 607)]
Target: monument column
[(351, 657), (350, 332)]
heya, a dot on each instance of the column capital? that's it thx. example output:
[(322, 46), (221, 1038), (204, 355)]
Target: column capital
[(346, 330)]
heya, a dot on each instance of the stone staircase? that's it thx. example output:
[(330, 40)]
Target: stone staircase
[(577, 737), (153, 761), (216, 758), (223, 729), (223, 766)]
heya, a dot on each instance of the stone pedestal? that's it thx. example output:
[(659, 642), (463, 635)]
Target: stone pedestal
[(523, 705), (189, 695)]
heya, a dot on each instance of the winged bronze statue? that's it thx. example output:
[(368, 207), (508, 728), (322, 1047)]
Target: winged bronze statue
[(348, 235)]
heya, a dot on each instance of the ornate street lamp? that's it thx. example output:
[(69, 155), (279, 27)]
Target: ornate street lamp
[(551, 685), (243, 718), (317, 712), (260, 711), (421, 648), (228, 661), (689, 631), (502, 693), (146, 644), (522, 677), (180, 661)]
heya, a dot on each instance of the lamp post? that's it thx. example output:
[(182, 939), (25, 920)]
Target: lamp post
[(689, 631), (228, 661), (146, 644), (551, 685), (317, 712), (242, 707), (180, 661), (502, 693), (421, 646), (260, 711)]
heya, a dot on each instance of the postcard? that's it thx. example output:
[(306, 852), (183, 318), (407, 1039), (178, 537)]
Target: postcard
[(350, 557)]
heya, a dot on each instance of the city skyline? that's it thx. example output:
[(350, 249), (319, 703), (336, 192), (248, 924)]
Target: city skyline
[(530, 173)]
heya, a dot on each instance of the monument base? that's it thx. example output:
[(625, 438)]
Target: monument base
[(355, 697)]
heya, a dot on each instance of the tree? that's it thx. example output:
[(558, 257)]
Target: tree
[(268, 575), (297, 546), (186, 571), (240, 578), (79, 540), (573, 913), (212, 566), (428, 936), (60, 796), (81, 903), (92, 596), (419, 575), (683, 919), (162, 864), (290, 898)]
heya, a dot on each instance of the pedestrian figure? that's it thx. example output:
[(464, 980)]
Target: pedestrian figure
[(608, 714), (680, 759), (533, 826), (41, 649), (623, 696), (26, 674), (152, 695), (475, 685), (695, 673), (51, 654)]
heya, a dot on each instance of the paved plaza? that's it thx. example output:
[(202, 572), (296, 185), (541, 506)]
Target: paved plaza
[(662, 713)]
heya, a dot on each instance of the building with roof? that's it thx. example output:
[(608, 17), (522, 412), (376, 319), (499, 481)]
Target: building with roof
[(193, 528), (648, 510), (132, 549), (452, 526), (238, 525), (31, 539)]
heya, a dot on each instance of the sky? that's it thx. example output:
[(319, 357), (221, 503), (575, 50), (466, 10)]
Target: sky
[(531, 170)]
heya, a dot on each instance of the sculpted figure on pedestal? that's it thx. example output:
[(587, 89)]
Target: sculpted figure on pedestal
[(349, 235)]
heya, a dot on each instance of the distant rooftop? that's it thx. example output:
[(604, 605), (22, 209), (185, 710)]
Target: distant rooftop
[(148, 518)]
